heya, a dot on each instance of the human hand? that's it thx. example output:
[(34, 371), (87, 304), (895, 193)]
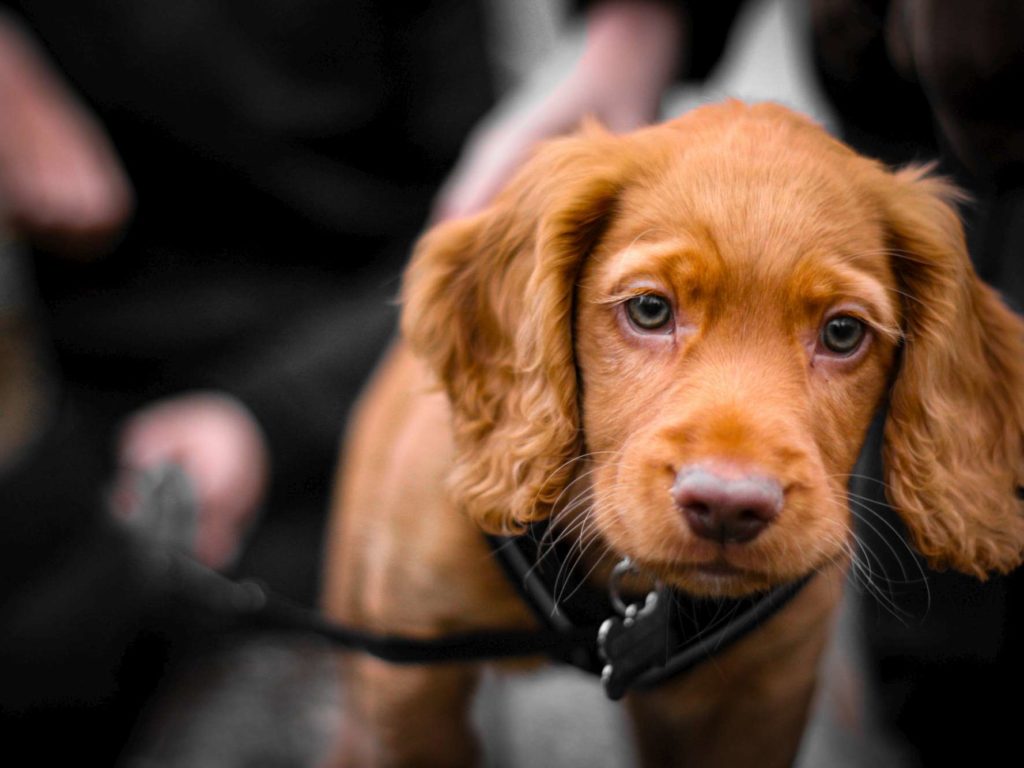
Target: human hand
[(216, 441), (61, 183), (629, 57)]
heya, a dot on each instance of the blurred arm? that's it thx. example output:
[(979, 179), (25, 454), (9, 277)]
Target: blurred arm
[(633, 50), (61, 183), (631, 53)]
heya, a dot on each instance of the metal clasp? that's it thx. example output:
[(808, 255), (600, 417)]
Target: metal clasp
[(633, 641)]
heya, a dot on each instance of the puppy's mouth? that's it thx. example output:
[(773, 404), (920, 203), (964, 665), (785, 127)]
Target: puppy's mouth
[(714, 578), (721, 568)]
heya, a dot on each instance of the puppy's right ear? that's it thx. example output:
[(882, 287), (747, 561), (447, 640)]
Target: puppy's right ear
[(488, 303)]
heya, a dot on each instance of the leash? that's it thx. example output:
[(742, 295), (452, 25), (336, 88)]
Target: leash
[(639, 649), (251, 605)]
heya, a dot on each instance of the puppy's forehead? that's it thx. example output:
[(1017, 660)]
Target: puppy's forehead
[(766, 197)]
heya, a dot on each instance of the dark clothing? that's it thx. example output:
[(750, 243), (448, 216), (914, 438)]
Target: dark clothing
[(346, 113), (284, 156)]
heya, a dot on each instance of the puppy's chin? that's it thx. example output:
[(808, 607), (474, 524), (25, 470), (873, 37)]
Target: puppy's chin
[(717, 579), (720, 580)]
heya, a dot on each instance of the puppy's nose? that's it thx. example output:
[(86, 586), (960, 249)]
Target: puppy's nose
[(726, 507)]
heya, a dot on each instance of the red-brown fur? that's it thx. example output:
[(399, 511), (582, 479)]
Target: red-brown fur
[(756, 225)]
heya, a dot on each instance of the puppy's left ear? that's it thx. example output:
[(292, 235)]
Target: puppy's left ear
[(955, 434)]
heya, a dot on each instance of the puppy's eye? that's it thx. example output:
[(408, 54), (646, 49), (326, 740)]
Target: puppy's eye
[(649, 312), (842, 334)]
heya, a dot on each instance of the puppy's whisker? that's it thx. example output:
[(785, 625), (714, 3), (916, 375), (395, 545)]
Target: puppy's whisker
[(584, 547), (568, 463), (581, 526), (873, 581), (892, 550), (562, 523), (563, 511), (860, 506), (863, 561), (864, 579), (575, 528), (866, 508)]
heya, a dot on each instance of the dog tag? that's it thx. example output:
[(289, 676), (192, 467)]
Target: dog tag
[(632, 644)]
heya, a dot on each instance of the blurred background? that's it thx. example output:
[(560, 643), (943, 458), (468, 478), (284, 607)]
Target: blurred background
[(204, 211)]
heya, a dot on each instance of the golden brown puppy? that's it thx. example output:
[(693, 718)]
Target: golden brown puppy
[(673, 342)]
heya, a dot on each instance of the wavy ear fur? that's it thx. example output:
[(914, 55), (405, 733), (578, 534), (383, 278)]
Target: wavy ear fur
[(488, 303), (953, 441)]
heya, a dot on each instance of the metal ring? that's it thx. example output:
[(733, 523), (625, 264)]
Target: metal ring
[(624, 566)]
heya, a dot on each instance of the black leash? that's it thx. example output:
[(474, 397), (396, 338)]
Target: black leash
[(250, 605), (273, 611), (636, 650)]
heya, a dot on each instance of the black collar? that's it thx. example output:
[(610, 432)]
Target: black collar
[(632, 646)]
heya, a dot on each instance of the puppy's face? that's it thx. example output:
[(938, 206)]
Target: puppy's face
[(683, 334), (735, 331)]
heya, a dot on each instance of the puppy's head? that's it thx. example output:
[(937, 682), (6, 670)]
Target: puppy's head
[(690, 328)]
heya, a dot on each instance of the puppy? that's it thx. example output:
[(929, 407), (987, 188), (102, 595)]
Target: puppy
[(671, 343)]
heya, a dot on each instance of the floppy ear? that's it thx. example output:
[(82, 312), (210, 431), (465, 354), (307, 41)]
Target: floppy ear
[(489, 305), (953, 441)]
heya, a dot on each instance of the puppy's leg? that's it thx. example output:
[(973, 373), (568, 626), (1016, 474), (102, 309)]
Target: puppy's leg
[(748, 706), (757, 728), (406, 715)]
